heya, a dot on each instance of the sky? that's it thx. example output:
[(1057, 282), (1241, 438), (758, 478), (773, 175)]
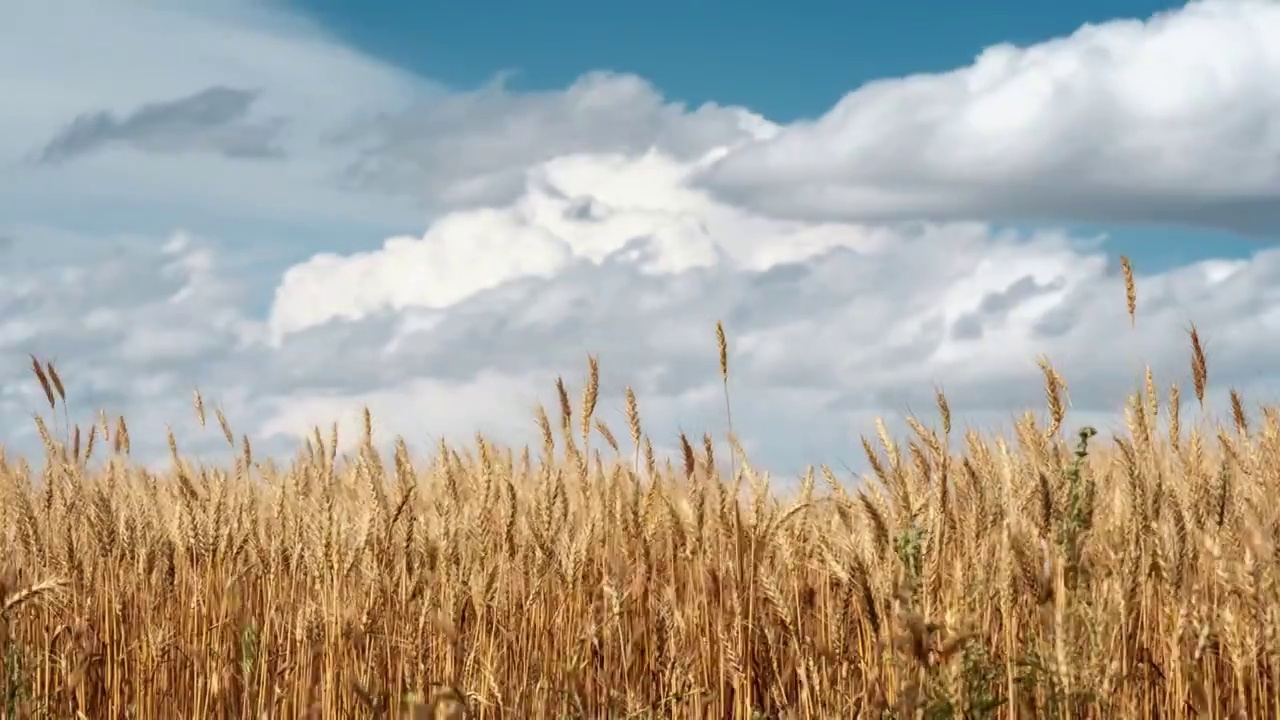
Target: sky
[(433, 210)]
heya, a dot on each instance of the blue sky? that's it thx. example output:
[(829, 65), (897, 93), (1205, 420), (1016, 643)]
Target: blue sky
[(306, 208), (784, 60)]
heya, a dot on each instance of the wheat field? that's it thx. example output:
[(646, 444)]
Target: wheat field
[(1051, 573)]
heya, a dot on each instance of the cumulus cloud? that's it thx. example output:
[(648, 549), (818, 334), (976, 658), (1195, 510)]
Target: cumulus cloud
[(639, 211), (1175, 119), (832, 323), (473, 148), (213, 119), (133, 324)]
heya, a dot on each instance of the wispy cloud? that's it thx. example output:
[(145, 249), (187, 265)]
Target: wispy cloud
[(212, 120)]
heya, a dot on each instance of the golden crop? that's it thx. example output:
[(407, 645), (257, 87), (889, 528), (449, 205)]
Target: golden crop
[(1052, 573)]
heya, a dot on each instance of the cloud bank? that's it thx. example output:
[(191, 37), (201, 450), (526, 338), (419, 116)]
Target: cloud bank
[(842, 324)]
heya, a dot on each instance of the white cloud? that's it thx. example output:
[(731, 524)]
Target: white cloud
[(474, 148), (1175, 119), (637, 210)]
